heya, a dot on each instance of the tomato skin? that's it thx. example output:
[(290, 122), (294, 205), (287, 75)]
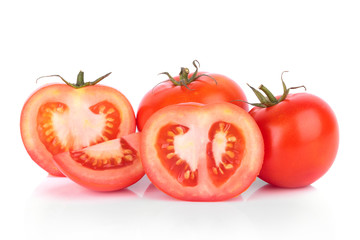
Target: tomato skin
[(59, 93), (198, 118), (204, 90), (301, 138)]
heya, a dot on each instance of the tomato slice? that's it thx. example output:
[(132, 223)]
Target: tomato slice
[(58, 118), (202, 152), (107, 166)]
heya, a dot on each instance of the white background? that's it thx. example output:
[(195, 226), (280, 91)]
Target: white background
[(318, 42)]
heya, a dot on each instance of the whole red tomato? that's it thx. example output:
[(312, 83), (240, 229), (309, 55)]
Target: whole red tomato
[(197, 87), (301, 137)]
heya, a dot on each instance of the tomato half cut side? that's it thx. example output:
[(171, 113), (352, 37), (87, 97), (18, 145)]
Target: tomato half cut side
[(107, 166), (201, 152), (58, 118)]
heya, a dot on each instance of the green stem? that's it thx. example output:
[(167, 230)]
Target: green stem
[(184, 79), (80, 80), (270, 99), (270, 96)]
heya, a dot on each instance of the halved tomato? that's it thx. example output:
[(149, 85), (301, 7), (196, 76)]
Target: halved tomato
[(59, 118), (107, 166), (202, 152)]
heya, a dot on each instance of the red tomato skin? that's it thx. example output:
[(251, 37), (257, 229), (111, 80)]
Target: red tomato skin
[(301, 138), (204, 90)]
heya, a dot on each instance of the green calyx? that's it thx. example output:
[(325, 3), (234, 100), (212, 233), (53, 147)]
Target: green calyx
[(80, 80), (269, 99), (184, 79)]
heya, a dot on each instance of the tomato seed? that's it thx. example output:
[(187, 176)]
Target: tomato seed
[(108, 131), (231, 139), (49, 139), (128, 157), (180, 130), (105, 138), (118, 160), (170, 155), (111, 110), (230, 154), (187, 174), (48, 132), (127, 151), (101, 109), (60, 109), (228, 166), (229, 145), (178, 162)]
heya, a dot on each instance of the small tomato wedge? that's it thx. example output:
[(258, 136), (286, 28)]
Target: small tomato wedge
[(64, 117), (197, 87), (199, 152), (107, 166)]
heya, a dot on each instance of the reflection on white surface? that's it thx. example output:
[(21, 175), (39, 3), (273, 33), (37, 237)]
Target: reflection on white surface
[(60, 209)]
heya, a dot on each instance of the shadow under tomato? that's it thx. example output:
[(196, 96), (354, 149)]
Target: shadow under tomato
[(298, 211), (270, 191), (152, 192), (61, 188)]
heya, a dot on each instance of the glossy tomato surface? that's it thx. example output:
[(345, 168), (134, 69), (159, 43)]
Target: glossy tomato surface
[(59, 118), (202, 90), (107, 166), (199, 152), (301, 138)]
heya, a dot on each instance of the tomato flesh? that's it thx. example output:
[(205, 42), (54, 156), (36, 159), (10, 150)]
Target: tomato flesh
[(224, 151), (107, 166), (178, 167), (202, 152)]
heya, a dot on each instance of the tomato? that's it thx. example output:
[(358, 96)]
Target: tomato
[(195, 87), (107, 166), (63, 117), (301, 138), (199, 152)]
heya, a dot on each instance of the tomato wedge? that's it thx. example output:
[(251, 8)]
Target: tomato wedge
[(59, 118), (106, 166), (199, 152)]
